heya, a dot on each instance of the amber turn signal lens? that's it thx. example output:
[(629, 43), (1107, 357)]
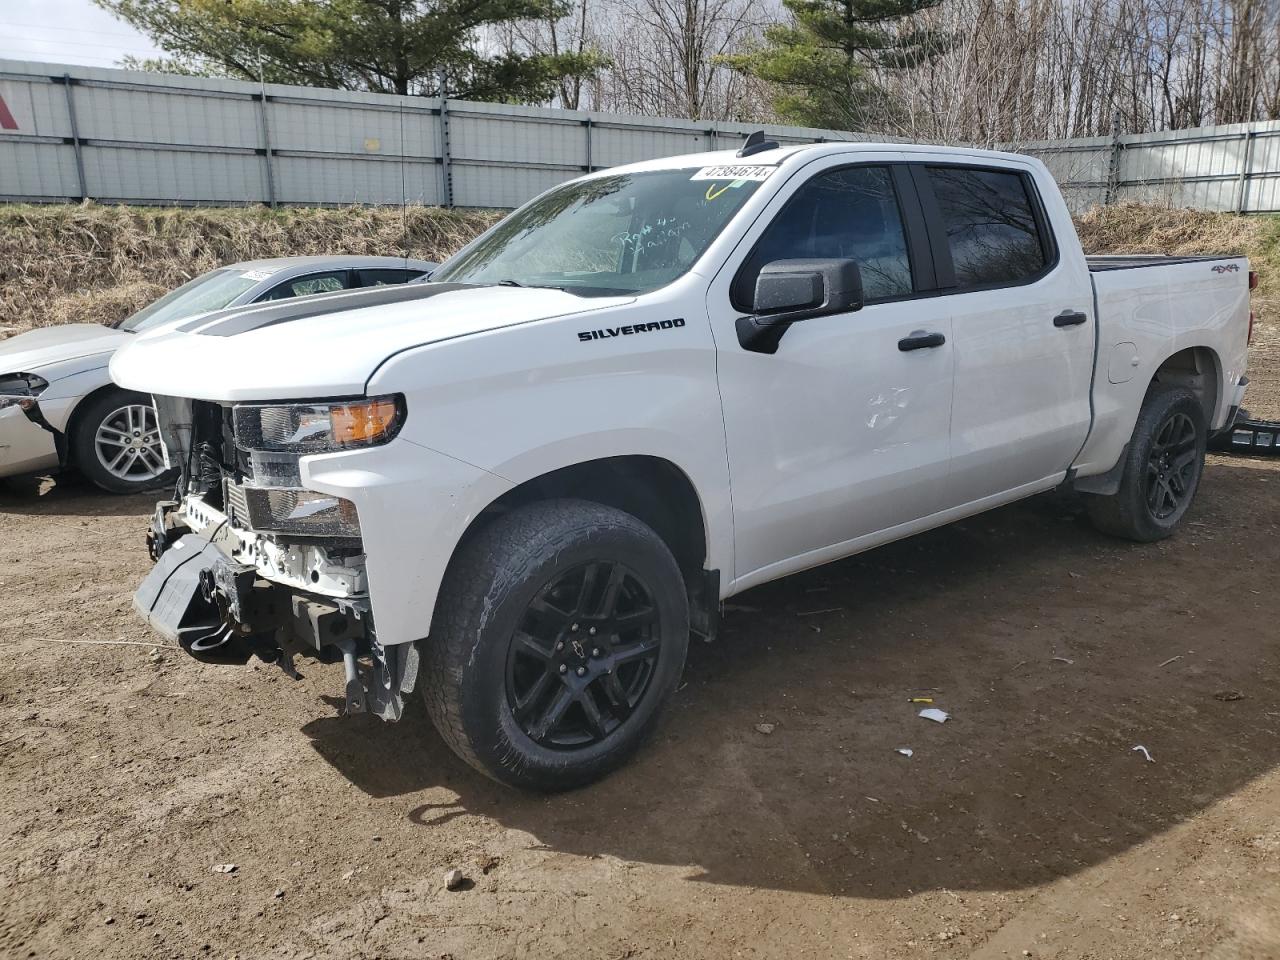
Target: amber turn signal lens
[(361, 424)]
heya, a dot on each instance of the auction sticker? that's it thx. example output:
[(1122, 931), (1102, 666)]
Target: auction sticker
[(734, 171), (258, 274)]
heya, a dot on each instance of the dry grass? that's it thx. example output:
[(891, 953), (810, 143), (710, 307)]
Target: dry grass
[(89, 263)]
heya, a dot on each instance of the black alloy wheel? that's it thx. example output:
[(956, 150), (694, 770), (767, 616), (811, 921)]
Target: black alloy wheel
[(559, 635), (1172, 465), (583, 655)]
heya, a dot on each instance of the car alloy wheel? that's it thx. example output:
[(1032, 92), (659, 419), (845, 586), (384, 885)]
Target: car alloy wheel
[(583, 656), (127, 444)]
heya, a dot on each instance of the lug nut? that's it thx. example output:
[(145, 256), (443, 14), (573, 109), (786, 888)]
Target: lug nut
[(582, 671), (574, 628), (592, 631), (560, 645), (595, 651), (564, 668)]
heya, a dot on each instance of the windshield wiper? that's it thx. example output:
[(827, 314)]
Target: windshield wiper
[(528, 286)]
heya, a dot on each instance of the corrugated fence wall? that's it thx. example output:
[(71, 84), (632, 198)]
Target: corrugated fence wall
[(70, 132)]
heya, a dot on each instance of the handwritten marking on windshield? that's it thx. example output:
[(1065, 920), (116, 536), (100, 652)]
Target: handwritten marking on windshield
[(653, 234)]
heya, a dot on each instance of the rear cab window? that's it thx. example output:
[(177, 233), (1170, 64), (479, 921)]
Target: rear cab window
[(995, 233), (383, 276), (309, 284)]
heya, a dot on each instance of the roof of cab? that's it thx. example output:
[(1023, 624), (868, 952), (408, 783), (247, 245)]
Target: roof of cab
[(781, 154)]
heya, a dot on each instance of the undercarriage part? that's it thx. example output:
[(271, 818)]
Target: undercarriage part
[(221, 611), (1249, 436), (355, 688), (165, 528)]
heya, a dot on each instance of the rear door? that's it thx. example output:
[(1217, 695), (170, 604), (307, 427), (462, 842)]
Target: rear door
[(1022, 328), (843, 432)]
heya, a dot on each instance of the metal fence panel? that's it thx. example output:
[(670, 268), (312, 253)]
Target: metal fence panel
[(124, 136)]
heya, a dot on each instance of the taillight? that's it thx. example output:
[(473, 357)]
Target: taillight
[(1250, 340), (1253, 279)]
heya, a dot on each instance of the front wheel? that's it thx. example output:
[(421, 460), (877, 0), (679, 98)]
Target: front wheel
[(560, 633), (116, 443), (1163, 465)]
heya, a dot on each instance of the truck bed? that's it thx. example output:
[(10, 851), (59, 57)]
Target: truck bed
[(1097, 264)]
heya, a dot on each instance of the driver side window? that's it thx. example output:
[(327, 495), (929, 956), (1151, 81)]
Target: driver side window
[(846, 214)]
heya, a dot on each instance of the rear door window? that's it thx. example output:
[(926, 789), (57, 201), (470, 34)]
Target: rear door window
[(381, 277), (309, 284), (992, 229), (852, 214)]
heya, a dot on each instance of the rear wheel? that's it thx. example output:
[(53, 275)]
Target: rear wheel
[(560, 633), (116, 443), (1163, 466)]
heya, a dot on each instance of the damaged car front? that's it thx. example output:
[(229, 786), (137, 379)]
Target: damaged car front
[(27, 441), (249, 561)]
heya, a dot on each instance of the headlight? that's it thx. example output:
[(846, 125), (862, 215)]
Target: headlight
[(20, 389), (277, 436), (306, 428)]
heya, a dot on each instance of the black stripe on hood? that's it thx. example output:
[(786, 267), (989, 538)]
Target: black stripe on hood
[(237, 320)]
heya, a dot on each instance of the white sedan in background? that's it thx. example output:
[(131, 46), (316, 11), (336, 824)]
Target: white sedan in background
[(59, 408)]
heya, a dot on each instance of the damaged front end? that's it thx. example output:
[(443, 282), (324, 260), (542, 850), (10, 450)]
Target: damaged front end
[(249, 563)]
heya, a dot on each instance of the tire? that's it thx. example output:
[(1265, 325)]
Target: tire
[(493, 695), (1164, 463), (112, 443)]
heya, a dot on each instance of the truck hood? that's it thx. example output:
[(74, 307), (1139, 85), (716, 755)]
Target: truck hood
[(28, 352), (327, 345)]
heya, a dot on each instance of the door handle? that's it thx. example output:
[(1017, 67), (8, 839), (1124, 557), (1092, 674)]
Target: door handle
[(921, 341), (1069, 318)]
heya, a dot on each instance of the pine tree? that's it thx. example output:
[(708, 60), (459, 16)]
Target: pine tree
[(822, 64), (386, 46)]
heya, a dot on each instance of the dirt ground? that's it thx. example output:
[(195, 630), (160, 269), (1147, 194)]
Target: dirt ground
[(1027, 825)]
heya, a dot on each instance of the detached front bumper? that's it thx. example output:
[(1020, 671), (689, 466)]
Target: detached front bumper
[(226, 595)]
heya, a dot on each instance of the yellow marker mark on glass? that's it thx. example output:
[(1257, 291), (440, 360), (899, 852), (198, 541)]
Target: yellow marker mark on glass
[(711, 195)]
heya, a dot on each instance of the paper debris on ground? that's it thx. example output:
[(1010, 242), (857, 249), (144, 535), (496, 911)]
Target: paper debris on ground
[(1145, 752), (905, 751), (934, 714)]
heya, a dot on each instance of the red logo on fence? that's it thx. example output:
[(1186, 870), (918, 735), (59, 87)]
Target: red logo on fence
[(6, 118)]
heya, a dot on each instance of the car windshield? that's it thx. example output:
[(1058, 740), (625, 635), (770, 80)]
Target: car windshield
[(209, 291), (616, 234)]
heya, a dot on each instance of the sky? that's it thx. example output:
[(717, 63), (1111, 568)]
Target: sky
[(67, 31)]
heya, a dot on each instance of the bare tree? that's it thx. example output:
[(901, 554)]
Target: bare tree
[(664, 52)]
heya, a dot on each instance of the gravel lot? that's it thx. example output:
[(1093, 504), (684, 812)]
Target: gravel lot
[(1026, 825)]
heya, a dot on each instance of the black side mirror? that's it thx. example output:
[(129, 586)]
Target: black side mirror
[(788, 291)]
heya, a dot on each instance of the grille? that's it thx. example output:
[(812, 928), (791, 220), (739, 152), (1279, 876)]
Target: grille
[(237, 502), (299, 512)]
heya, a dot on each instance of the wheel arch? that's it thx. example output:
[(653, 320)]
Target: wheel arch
[(654, 490), (78, 414), (1199, 369)]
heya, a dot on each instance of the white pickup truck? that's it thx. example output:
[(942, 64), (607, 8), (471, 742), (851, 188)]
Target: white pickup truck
[(524, 484)]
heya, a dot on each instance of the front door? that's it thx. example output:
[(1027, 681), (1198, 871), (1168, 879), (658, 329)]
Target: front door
[(841, 434)]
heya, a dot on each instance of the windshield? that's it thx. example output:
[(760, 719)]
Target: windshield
[(619, 234), (209, 291)]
